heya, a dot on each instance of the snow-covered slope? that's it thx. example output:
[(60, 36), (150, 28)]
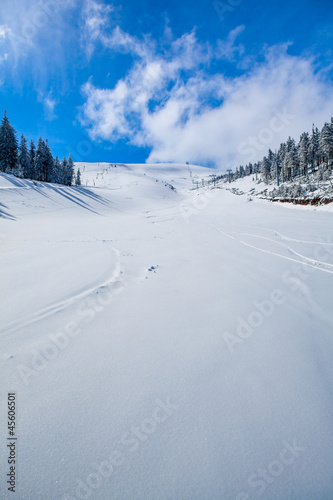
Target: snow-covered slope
[(165, 343), (312, 195)]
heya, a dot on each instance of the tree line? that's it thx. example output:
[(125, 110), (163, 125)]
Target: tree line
[(31, 162), (312, 154)]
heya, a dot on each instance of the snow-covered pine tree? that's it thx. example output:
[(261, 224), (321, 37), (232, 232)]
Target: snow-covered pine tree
[(303, 153), (39, 161), (314, 148), (32, 153), (326, 143), (24, 158), (63, 170), (256, 168), (78, 178), (285, 171), (270, 156), (69, 172), (8, 146), (48, 162), (280, 159), (249, 169), (265, 167), (291, 158), (56, 171), (274, 165), (271, 161)]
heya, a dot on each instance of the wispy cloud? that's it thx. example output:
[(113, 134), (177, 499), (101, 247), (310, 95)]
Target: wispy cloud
[(49, 102), (95, 18), (4, 31), (226, 49), (170, 101), (123, 42), (37, 44), (32, 32)]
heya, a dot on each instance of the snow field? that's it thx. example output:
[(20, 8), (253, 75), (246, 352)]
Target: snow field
[(206, 377)]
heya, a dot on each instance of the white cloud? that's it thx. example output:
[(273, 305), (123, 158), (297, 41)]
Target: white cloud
[(38, 42), (107, 108), (165, 102), (24, 22), (226, 49), (32, 28), (125, 43), (119, 112), (4, 31), (94, 21), (49, 103)]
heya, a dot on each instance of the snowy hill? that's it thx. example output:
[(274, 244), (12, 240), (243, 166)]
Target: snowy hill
[(306, 192), (165, 342)]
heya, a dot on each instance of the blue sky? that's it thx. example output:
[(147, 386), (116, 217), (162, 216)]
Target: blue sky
[(213, 83)]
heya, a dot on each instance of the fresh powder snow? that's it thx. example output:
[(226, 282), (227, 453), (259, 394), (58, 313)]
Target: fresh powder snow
[(165, 339)]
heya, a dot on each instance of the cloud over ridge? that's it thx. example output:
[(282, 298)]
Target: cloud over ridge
[(170, 101)]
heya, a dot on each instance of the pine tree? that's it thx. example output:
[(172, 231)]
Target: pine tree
[(271, 156), (24, 158), (291, 159), (249, 169), (56, 171), (63, 170), (271, 161), (78, 178), (48, 162), (69, 172), (43, 161), (303, 153), (32, 153), (32, 150), (8, 146), (279, 161), (326, 142), (256, 167), (39, 161), (314, 148), (265, 167), (285, 168)]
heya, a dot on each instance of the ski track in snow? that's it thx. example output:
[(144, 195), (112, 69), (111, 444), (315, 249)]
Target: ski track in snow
[(321, 266), (63, 304), (293, 240), (291, 250)]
